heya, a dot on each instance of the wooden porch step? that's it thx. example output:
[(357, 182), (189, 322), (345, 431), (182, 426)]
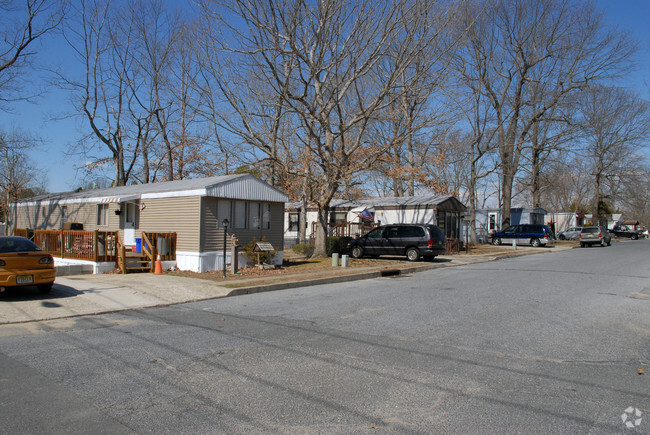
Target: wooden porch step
[(135, 263), (138, 269), (138, 260)]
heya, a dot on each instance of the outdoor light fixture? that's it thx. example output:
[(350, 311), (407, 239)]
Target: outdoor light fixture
[(225, 224)]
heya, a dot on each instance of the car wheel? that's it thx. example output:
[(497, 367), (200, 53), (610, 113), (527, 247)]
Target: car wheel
[(44, 288), (535, 243), (412, 254), (357, 252), (562, 237), (496, 241), (634, 237)]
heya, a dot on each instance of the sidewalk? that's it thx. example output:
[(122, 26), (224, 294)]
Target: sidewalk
[(80, 295)]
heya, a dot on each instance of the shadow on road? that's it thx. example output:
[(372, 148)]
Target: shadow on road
[(31, 293)]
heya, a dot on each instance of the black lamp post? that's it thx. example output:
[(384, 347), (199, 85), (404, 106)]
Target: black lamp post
[(225, 224)]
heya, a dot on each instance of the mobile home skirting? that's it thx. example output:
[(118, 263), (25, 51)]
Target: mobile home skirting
[(212, 261)]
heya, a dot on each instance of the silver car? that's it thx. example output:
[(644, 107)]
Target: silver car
[(570, 234), (595, 236)]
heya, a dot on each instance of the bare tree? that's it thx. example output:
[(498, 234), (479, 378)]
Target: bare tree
[(335, 65), (240, 100), (22, 24), (633, 195), (103, 42), (19, 177), (615, 125), (565, 183), (515, 44), (414, 124)]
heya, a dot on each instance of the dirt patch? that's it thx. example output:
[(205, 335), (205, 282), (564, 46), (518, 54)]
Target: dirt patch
[(297, 268), (300, 267)]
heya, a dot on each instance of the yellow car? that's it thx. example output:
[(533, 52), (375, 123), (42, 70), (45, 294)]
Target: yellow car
[(22, 263)]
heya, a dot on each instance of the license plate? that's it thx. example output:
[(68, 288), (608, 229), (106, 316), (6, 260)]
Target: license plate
[(24, 279)]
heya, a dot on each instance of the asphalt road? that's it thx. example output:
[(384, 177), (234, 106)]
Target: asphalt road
[(537, 344)]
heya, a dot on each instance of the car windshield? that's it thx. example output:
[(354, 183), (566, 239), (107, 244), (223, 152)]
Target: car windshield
[(17, 244), (374, 234), (593, 230)]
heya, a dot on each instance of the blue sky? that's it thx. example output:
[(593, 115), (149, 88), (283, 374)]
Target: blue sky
[(45, 117)]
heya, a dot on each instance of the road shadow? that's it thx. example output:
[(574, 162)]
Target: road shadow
[(402, 259), (31, 293)]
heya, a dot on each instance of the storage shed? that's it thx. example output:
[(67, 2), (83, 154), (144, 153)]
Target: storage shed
[(193, 209)]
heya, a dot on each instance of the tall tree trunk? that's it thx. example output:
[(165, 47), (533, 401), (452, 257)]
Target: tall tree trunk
[(322, 230), (302, 225), (472, 201), (596, 207)]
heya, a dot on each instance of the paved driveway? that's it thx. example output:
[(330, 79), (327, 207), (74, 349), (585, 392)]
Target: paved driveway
[(92, 294)]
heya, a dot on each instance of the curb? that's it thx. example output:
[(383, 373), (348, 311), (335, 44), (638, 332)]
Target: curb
[(332, 280), (397, 271)]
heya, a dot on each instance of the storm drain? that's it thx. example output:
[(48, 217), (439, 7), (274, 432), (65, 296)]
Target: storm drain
[(391, 272)]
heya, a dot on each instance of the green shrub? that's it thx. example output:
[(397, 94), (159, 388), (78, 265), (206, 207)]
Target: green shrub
[(337, 244), (304, 249), (252, 256)]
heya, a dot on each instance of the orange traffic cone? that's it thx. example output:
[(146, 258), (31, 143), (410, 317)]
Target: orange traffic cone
[(158, 270)]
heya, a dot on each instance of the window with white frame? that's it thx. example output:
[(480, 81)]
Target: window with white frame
[(102, 215), (492, 222), (338, 216), (294, 221)]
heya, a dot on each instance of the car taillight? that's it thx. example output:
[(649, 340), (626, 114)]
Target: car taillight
[(430, 244), (46, 260)]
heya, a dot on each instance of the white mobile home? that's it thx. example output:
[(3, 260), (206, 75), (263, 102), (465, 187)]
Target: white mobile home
[(445, 211)]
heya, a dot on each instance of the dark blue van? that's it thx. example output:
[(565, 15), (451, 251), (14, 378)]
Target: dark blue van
[(535, 235)]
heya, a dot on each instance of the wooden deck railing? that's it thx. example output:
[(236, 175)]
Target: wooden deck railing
[(343, 229), (454, 246), (154, 244), (97, 246), (120, 258), (21, 232), (100, 246)]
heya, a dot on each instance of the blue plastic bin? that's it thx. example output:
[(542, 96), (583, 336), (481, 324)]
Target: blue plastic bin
[(138, 245)]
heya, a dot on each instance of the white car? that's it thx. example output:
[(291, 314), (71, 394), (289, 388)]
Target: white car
[(571, 234)]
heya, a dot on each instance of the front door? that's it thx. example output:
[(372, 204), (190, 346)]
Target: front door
[(130, 213)]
